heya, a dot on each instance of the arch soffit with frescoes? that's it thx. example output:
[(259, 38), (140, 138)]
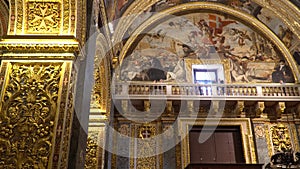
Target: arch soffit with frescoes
[(218, 10), (277, 8)]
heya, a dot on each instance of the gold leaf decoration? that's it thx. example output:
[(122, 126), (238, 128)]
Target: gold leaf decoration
[(43, 17), (28, 115)]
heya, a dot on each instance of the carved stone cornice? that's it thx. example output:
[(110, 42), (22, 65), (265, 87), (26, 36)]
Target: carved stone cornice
[(21, 44)]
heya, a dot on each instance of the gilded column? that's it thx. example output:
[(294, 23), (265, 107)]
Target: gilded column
[(37, 83)]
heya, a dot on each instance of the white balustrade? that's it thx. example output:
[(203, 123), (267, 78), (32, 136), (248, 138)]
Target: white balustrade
[(206, 90)]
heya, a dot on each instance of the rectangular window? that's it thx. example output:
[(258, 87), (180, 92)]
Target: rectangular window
[(205, 76), (208, 73)]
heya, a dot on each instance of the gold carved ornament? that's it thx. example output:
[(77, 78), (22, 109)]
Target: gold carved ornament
[(28, 114), (43, 17), (146, 147), (281, 139), (91, 152)]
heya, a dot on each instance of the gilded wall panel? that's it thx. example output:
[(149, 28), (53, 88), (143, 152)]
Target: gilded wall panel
[(94, 150), (43, 17), (30, 99), (281, 137), (50, 17)]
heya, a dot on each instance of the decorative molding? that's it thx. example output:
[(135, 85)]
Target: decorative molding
[(101, 90), (4, 16), (20, 44), (66, 111)]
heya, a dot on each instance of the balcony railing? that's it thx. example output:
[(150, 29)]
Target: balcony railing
[(204, 91)]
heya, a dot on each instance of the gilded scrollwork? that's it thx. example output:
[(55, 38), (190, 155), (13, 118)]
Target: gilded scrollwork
[(66, 17), (43, 17), (280, 137), (29, 104), (147, 147), (91, 152)]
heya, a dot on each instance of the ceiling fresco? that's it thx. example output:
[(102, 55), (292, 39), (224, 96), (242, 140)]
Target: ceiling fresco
[(168, 51), (264, 15)]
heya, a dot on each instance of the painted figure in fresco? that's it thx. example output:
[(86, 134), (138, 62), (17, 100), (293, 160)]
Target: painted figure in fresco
[(282, 73), (178, 73), (156, 72), (286, 35), (239, 69), (240, 36)]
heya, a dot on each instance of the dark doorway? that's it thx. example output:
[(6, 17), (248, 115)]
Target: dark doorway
[(223, 146)]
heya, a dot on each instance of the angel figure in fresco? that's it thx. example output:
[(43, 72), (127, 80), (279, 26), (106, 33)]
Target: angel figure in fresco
[(240, 36)]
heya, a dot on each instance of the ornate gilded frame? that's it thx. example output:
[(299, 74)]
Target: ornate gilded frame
[(246, 131)]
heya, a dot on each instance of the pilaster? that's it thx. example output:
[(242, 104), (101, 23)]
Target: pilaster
[(38, 83)]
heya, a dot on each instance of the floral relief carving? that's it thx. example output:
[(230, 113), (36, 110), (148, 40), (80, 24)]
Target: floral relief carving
[(27, 122), (43, 17)]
